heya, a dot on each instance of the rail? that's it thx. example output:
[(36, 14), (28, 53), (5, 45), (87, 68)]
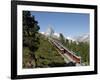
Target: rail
[(64, 50)]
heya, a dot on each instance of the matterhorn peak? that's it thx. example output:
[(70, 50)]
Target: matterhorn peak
[(49, 31)]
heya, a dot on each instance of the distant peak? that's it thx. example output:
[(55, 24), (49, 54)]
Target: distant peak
[(49, 31)]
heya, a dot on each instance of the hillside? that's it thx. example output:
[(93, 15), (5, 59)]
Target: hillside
[(45, 56)]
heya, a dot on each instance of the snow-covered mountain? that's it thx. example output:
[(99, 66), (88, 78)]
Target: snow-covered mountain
[(83, 38), (69, 38), (42, 32), (56, 35), (51, 33)]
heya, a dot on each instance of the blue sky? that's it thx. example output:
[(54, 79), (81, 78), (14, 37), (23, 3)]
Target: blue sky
[(70, 24)]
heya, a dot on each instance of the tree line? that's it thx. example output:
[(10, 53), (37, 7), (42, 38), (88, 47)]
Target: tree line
[(30, 38), (79, 48)]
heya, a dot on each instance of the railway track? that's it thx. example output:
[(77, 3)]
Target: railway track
[(71, 57)]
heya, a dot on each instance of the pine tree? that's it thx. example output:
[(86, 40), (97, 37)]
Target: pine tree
[(62, 39), (30, 33)]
